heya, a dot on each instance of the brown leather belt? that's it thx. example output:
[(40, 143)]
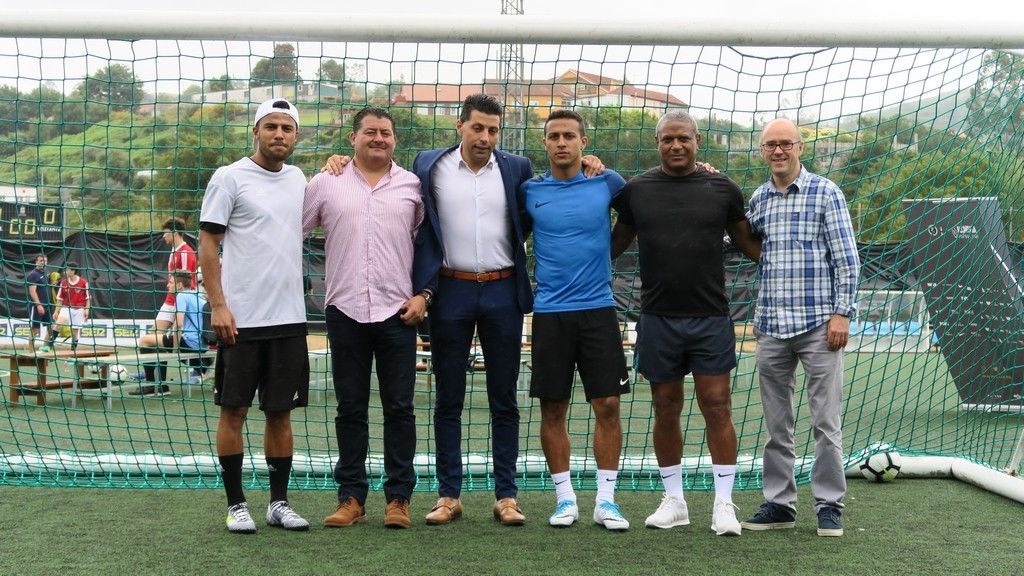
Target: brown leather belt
[(478, 276)]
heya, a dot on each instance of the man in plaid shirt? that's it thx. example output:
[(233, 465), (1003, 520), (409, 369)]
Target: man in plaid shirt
[(809, 269)]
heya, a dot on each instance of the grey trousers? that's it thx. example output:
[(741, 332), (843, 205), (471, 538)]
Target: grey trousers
[(823, 368)]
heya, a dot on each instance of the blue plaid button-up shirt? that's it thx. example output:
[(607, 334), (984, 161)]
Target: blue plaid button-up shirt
[(809, 264)]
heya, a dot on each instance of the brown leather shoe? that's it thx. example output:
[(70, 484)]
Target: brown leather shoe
[(396, 515), (507, 512), (348, 513), (445, 511)]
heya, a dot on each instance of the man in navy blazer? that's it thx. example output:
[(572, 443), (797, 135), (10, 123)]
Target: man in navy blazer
[(470, 252)]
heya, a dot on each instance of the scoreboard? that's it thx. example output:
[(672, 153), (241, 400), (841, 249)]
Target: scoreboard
[(31, 222)]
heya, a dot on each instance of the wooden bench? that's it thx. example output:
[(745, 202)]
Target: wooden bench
[(102, 365), (43, 382)]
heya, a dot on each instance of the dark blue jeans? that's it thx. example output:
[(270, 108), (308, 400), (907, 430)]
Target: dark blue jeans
[(491, 309), (354, 347)]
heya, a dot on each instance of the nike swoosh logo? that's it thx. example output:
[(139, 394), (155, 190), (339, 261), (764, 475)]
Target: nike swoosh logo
[(725, 475), (669, 476), (609, 480), (624, 381), (560, 483), (539, 204)]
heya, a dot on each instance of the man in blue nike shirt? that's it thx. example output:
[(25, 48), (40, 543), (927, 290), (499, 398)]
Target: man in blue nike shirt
[(575, 326)]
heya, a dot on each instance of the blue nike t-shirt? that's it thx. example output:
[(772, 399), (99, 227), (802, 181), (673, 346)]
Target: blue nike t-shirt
[(572, 240)]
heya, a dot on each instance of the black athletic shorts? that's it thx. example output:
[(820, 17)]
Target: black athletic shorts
[(588, 341), (277, 368), (668, 347), (36, 319)]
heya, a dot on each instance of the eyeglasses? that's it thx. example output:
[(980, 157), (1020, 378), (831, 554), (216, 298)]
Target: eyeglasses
[(785, 145)]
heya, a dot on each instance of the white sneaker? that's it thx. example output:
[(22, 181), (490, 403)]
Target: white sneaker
[(239, 520), (723, 520), (607, 514), (280, 514), (566, 513), (671, 512)]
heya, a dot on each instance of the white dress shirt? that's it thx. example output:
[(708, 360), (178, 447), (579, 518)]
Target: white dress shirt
[(473, 213)]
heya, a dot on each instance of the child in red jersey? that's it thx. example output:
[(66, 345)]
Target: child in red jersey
[(73, 303)]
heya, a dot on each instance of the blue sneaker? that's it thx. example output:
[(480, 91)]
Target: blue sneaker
[(830, 521), (565, 514), (607, 514), (770, 516)]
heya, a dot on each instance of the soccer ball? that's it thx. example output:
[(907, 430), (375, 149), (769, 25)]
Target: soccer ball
[(117, 373), (882, 466)]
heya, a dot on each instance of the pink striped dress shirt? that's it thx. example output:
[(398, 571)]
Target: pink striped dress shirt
[(369, 233)]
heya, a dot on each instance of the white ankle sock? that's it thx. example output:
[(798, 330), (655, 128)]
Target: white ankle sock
[(563, 486), (672, 480), (606, 485), (725, 474)]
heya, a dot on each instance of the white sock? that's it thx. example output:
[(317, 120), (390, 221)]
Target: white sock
[(725, 474), (563, 486), (606, 485), (672, 480)]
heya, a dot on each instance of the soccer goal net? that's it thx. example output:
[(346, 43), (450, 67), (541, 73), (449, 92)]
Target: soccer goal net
[(104, 139)]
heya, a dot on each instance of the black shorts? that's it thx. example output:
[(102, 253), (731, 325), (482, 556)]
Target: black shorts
[(277, 368), (36, 319), (669, 348), (588, 341)]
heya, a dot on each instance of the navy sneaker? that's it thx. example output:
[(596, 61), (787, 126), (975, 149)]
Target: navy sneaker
[(770, 516), (830, 521)]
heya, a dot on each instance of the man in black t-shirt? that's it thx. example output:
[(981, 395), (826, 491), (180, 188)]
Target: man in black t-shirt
[(680, 213), (40, 310)]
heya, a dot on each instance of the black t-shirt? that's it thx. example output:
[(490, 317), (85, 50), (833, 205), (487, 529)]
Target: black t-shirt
[(680, 224)]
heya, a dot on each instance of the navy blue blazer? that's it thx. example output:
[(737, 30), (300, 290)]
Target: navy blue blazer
[(429, 251)]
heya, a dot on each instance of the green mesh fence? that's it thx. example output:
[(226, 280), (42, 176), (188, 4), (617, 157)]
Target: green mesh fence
[(101, 141)]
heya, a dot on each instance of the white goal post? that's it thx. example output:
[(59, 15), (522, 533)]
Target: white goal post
[(943, 24)]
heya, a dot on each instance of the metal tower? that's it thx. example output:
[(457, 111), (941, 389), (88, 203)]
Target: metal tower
[(514, 89)]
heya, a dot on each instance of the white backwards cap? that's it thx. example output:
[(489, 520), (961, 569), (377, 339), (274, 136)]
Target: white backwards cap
[(277, 105)]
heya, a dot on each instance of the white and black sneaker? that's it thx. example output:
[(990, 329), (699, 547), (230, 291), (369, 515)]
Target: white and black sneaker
[(280, 514), (239, 520)]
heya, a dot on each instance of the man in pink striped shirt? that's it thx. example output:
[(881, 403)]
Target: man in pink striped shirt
[(370, 215)]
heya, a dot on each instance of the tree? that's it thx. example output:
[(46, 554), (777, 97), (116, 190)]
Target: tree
[(220, 84), (383, 94), (190, 91), (282, 68), (202, 142), (115, 86), (997, 102), (331, 71)]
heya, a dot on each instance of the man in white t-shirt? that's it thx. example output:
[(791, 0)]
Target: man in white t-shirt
[(254, 207)]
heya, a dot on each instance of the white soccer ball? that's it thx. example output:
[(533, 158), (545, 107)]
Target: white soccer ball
[(882, 466), (117, 373)]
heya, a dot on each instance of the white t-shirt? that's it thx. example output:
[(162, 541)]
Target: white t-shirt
[(262, 258)]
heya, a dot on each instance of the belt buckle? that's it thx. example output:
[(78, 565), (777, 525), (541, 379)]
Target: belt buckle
[(480, 276)]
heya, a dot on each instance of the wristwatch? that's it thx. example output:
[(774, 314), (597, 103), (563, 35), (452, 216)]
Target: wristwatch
[(428, 296)]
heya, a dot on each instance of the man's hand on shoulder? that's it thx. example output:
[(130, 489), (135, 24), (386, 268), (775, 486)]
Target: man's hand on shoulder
[(335, 165), (708, 167), (592, 166)]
